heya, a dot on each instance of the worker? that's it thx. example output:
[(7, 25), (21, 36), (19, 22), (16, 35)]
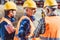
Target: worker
[(50, 26), (25, 25), (50, 5), (1, 15), (7, 28)]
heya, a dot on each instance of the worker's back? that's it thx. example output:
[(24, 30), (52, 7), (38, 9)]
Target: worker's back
[(52, 27)]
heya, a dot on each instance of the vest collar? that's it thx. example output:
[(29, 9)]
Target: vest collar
[(31, 17)]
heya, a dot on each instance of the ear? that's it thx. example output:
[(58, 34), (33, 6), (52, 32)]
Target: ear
[(48, 10)]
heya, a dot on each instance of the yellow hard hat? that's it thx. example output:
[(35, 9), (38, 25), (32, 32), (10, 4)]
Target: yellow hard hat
[(30, 4), (10, 5), (50, 3)]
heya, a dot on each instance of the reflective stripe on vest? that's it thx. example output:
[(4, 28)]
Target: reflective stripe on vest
[(52, 27), (6, 20), (9, 29), (18, 25)]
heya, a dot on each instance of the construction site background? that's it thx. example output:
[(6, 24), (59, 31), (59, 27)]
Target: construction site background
[(20, 10), (39, 3)]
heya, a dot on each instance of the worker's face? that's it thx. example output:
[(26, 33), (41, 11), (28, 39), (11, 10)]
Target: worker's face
[(12, 13), (30, 11)]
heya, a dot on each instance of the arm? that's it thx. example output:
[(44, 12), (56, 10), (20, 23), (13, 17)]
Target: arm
[(8, 27), (40, 28), (24, 28)]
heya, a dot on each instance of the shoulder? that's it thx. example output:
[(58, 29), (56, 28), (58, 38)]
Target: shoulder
[(25, 21), (24, 18), (3, 23)]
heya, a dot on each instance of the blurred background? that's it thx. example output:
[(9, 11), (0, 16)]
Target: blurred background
[(39, 3), (20, 10)]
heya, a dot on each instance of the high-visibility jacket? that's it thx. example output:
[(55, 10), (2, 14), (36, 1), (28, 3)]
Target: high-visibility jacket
[(52, 24), (18, 25), (9, 29), (7, 32)]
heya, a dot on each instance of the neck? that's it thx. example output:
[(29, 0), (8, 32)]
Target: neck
[(27, 15), (32, 19)]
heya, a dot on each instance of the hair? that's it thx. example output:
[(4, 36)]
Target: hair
[(6, 12)]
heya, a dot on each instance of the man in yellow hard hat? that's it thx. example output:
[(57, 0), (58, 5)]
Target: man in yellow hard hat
[(50, 5), (1, 15), (49, 26), (25, 26), (7, 28)]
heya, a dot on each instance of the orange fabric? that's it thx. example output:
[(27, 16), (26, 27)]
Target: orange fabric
[(36, 39), (18, 25), (9, 29), (52, 27)]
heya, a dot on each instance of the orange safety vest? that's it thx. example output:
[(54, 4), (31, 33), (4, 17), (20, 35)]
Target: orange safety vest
[(11, 28), (18, 25), (52, 27)]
